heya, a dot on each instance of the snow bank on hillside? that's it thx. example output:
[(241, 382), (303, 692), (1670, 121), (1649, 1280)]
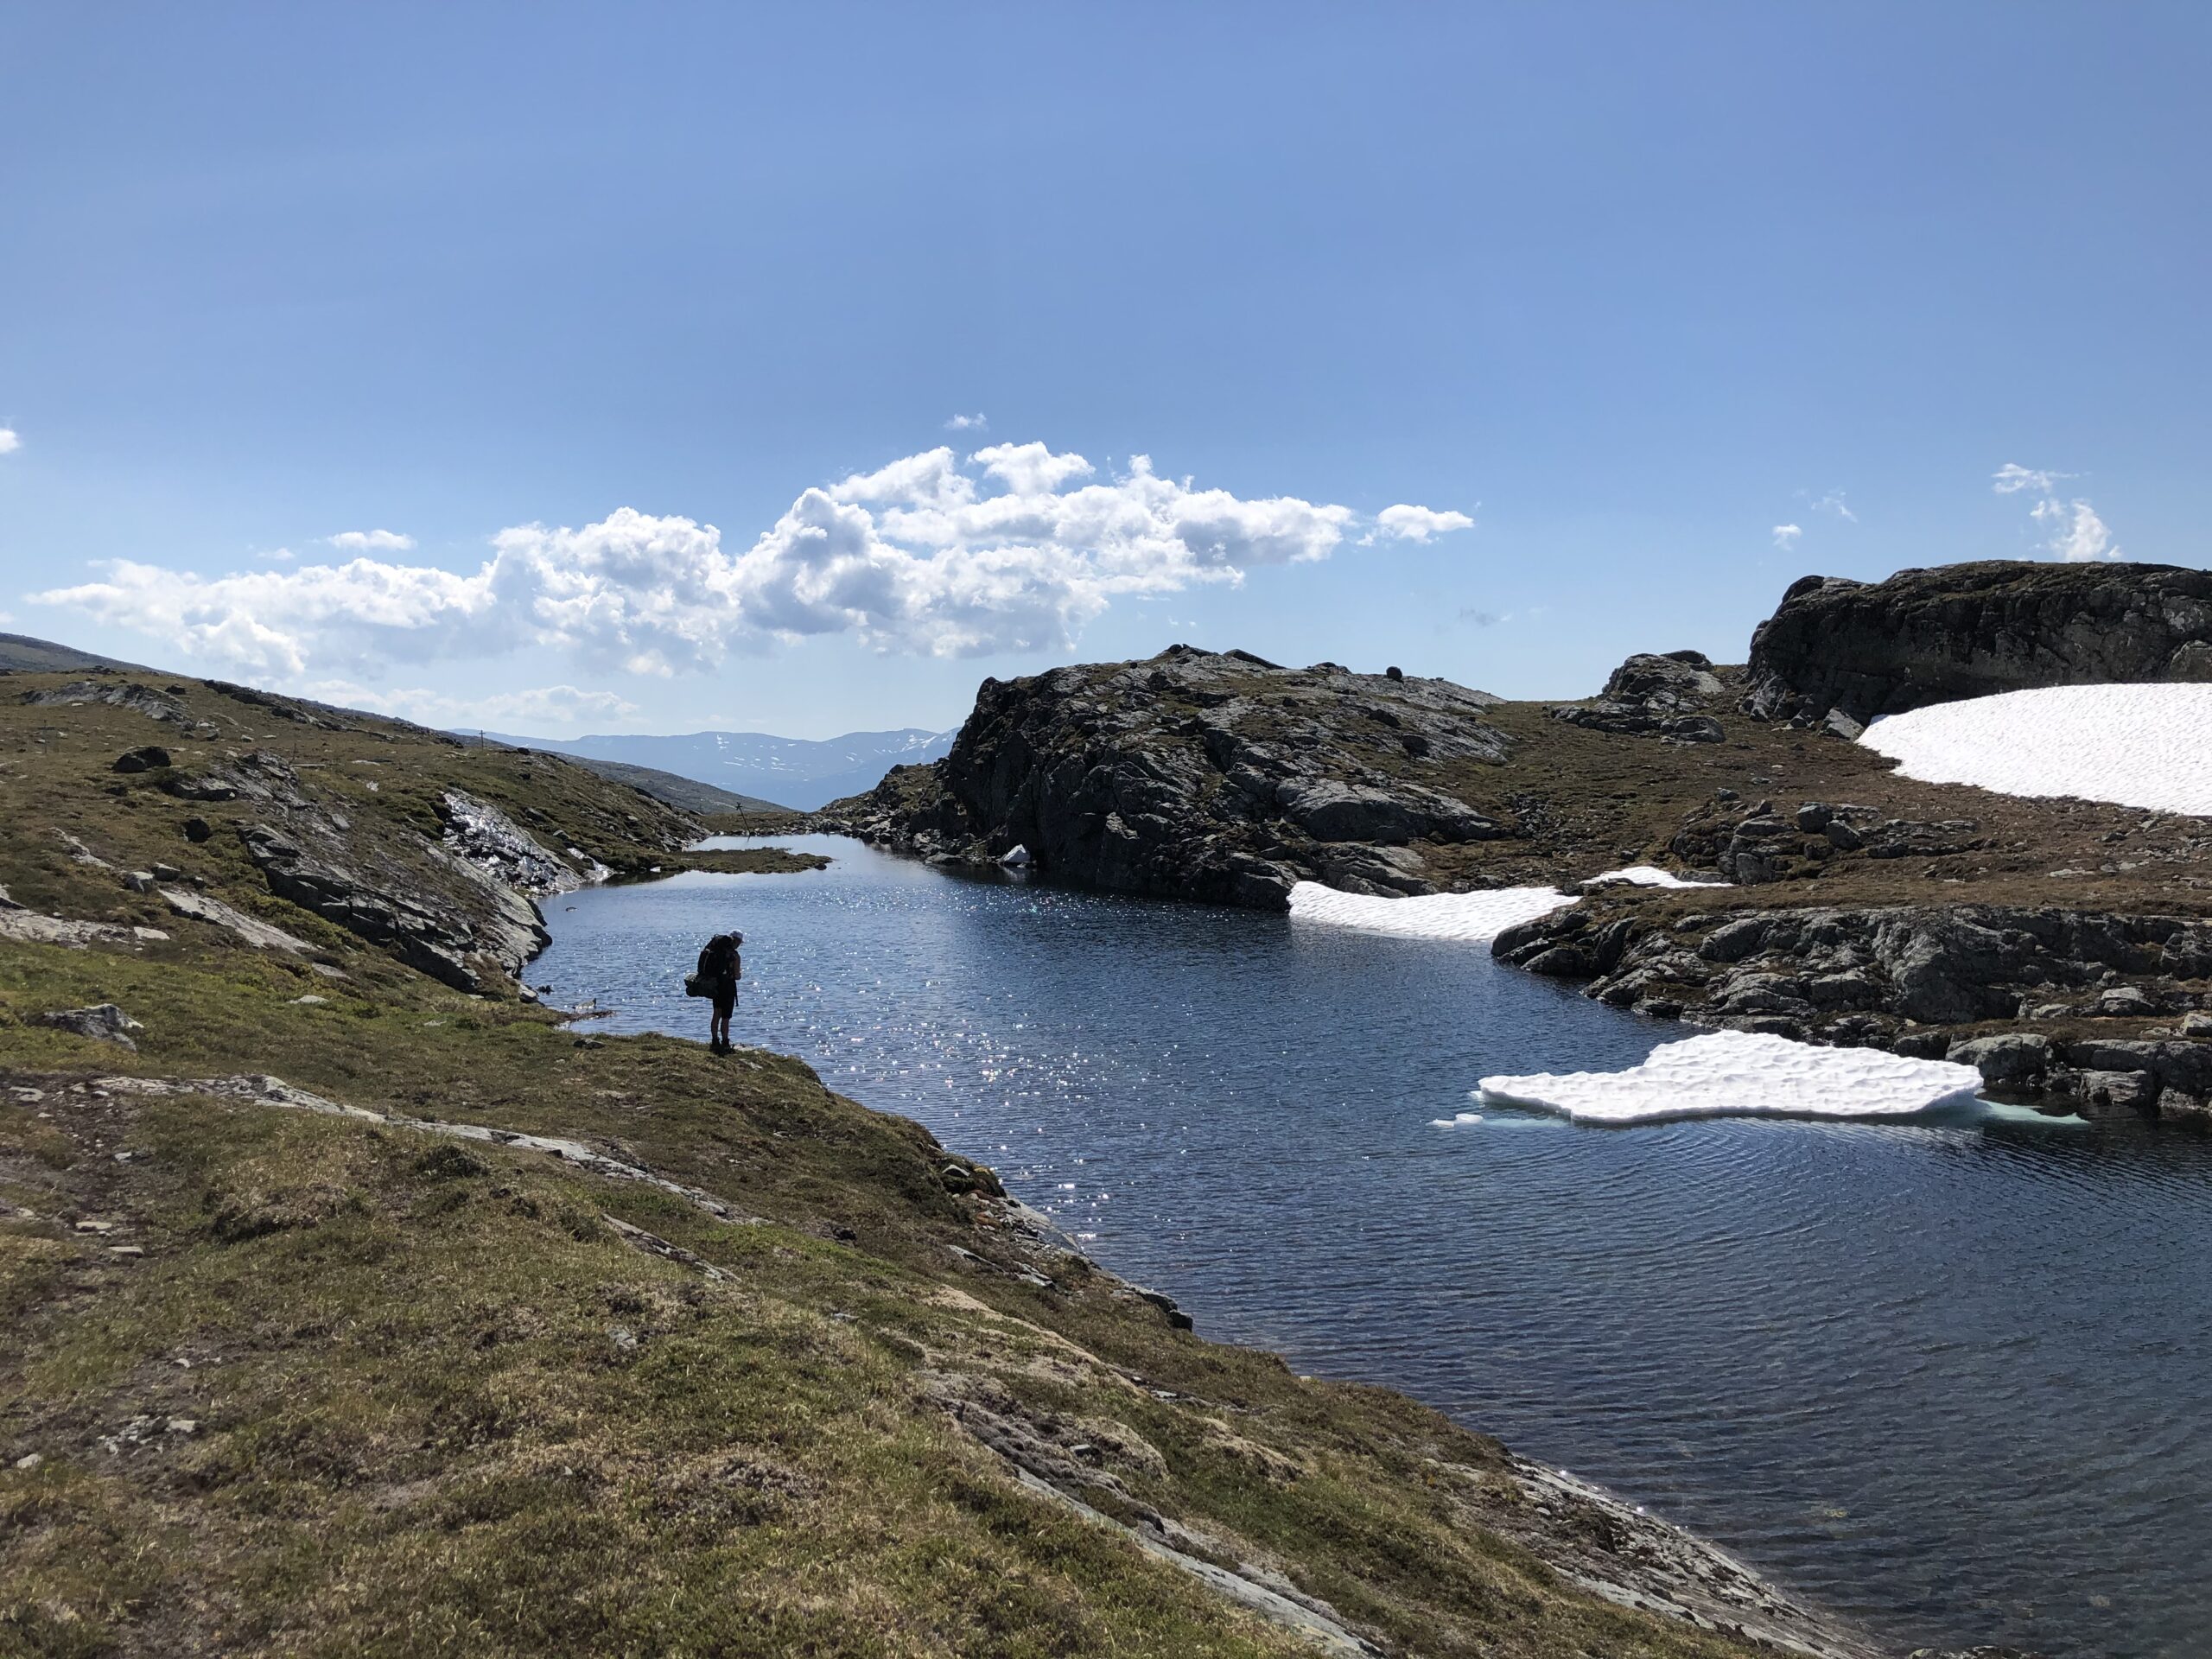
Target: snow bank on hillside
[(1471, 918), (2147, 745), (1740, 1073)]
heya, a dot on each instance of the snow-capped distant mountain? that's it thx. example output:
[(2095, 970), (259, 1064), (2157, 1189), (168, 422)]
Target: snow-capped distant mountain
[(790, 771)]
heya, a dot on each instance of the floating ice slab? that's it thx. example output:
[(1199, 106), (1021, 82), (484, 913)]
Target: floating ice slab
[(2147, 745), (1741, 1073), (1474, 917)]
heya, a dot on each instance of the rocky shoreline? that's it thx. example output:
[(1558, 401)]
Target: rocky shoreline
[(2063, 947)]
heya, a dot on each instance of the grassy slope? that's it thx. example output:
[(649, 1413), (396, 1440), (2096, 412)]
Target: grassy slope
[(437, 1404)]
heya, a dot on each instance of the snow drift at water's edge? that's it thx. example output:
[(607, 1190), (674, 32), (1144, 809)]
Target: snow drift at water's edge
[(1741, 1073), (1474, 917)]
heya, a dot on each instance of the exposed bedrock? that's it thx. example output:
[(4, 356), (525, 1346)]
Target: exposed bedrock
[(1969, 630), (2113, 1005), (1199, 775), (458, 910), (1667, 695)]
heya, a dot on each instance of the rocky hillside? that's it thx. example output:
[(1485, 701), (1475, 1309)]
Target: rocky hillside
[(1967, 630), (1221, 778), (2060, 945), (358, 1305)]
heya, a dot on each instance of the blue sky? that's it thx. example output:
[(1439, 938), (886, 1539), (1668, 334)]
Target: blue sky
[(1629, 287)]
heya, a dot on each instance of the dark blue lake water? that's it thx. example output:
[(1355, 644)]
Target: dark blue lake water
[(1953, 1380)]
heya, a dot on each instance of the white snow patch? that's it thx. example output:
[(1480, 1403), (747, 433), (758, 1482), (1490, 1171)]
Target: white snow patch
[(1741, 1073), (2146, 746), (1472, 916), (1649, 876)]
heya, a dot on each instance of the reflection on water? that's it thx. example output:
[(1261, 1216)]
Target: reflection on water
[(1950, 1377)]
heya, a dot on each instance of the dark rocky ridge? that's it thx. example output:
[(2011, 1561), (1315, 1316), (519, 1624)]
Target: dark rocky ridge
[(1969, 630), (1216, 777), (1662, 697)]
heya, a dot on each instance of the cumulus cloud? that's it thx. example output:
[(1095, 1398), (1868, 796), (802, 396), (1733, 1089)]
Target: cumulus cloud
[(8, 441), (1410, 524), (373, 541), (544, 705), (1785, 536), (1016, 549), (2077, 534), (975, 422)]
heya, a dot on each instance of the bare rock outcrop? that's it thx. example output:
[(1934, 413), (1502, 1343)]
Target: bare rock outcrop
[(1666, 696), (103, 1022), (436, 929), (1215, 777), (1865, 649)]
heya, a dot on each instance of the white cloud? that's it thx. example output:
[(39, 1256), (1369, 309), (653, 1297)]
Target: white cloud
[(2077, 534), (923, 554), (2080, 536), (1030, 468), (9, 442), (1410, 524), (373, 541), (276, 556), (1833, 502), (975, 422), (544, 705), (1785, 536), (2012, 478)]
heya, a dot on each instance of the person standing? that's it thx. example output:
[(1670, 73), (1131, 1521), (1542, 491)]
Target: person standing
[(719, 968)]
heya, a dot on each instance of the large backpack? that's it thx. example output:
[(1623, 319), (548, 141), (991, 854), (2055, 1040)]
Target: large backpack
[(719, 967)]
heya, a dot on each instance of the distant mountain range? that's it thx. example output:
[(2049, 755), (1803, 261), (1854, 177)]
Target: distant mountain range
[(788, 771)]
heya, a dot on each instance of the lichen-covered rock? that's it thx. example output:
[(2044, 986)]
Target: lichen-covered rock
[(1864, 649), (439, 930), (103, 1022), (1666, 696), (1202, 775)]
